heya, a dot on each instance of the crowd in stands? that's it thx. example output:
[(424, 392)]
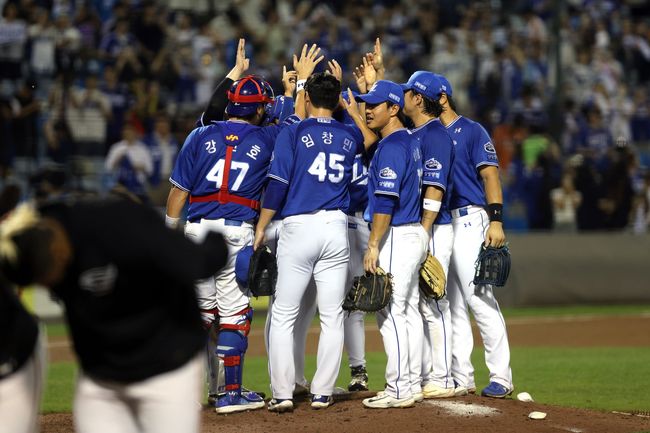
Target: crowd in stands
[(564, 93)]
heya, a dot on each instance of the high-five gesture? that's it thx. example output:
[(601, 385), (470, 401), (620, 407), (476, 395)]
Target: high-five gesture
[(241, 62), (288, 81), (369, 72), (335, 69), (378, 60), (307, 62), (360, 79)]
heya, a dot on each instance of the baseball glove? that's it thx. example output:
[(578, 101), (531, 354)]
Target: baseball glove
[(492, 266), (432, 278), (262, 272), (369, 292)]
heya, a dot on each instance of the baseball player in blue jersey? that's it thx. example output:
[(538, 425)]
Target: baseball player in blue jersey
[(397, 242), (222, 169), (476, 205), (421, 104), (310, 173)]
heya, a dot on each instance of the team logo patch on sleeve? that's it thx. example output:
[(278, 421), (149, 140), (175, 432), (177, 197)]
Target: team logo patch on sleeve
[(433, 164), (489, 147), (387, 173)]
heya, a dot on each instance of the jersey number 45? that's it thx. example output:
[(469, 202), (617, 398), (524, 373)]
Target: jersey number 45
[(319, 167), (216, 173)]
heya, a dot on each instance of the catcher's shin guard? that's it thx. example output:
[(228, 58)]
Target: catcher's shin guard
[(231, 347)]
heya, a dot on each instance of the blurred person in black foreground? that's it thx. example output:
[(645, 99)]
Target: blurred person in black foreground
[(126, 282)]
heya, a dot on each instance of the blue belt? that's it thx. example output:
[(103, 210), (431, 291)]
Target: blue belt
[(229, 222)]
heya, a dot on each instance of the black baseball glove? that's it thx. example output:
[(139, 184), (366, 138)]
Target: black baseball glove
[(262, 272), (369, 292), (492, 266)]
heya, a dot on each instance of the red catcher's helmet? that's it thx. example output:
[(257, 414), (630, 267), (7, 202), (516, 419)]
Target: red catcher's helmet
[(246, 94)]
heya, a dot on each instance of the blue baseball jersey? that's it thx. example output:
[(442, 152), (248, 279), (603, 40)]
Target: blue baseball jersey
[(200, 165), (396, 170), (359, 183), (437, 161), (474, 149), (315, 158)]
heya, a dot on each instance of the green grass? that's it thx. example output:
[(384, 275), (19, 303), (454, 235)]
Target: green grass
[(594, 378)]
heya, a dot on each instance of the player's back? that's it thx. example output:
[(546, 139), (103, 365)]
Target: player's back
[(474, 149), (201, 163), (315, 158)]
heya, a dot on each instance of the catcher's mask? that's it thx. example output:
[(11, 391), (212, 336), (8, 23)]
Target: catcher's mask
[(248, 93)]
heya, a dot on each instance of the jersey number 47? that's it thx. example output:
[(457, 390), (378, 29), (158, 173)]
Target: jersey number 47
[(216, 173)]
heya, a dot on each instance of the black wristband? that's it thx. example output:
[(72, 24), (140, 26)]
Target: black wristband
[(495, 212)]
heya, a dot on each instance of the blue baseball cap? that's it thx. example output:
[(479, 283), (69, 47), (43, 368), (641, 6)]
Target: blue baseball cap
[(242, 264), (446, 85), (344, 95), (383, 91), (425, 83), (279, 109)]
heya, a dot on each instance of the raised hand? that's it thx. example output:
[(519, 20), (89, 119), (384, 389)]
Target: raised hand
[(378, 59), (351, 107), (360, 79), (369, 72), (288, 81), (307, 62), (241, 62), (335, 69)]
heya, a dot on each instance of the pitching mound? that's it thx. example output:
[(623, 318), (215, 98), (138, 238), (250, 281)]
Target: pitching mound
[(470, 413)]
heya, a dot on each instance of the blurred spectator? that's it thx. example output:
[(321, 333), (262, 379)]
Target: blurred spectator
[(618, 195), (534, 145), (164, 149), (641, 209), (87, 116), (148, 29), (25, 109), (6, 138), (129, 160), (42, 45), (68, 44), (565, 203), (640, 121), (596, 139), (120, 100), (13, 35)]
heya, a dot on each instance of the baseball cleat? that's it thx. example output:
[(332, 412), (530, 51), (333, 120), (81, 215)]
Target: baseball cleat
[(321, 401), (300, 390), (359, 381), (280, 405), (385, 401), (431, 390), (212, 399), (496, 390), (418, 397), (460, 390), (234, 402)]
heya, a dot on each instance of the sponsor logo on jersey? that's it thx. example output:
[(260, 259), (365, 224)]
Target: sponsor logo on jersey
[(232, 137), (387, 184), (387, 173), (433, 164), (489, 147)]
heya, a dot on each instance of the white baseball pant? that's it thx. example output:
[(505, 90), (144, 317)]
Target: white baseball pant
[(166, 403), (436, 356), (355, 334), (221, 292), (20, 393), (303, 322), (469, 233), (401, 252), (310, 245)]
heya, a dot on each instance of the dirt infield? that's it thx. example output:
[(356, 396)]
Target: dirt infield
[(464, 414), (470, 413)]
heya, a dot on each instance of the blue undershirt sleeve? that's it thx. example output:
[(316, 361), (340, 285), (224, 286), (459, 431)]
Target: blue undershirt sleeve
[(275, 193)]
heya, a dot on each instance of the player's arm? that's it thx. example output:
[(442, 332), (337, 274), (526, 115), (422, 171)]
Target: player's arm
[(175, 202), (219, 99), (431, 206), (380, 225), (369, 137), (304, 66), (495, 235)]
